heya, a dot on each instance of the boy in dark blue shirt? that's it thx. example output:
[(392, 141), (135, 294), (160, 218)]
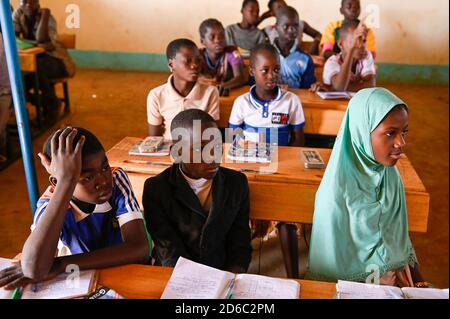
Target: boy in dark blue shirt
[(297, 67)]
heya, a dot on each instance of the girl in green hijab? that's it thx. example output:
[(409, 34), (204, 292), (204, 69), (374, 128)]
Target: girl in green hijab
[(360, 223)]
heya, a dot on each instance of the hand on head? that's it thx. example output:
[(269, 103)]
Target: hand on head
[(65, 163)]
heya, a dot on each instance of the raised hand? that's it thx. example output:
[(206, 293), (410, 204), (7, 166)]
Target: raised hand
[(66, 157), (359, 35)]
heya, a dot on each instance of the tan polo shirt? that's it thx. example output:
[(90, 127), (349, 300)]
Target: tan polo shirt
[(164, 103)]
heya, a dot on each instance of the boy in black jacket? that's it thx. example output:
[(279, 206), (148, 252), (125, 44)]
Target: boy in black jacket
[(195, 208)]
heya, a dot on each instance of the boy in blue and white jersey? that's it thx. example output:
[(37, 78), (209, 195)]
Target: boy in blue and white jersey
[(266, 107)]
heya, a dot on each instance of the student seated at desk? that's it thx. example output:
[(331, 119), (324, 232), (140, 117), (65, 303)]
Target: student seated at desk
[(360, 220), (297, 67), (88, 215), (350, 9), (304, 28), (5, 100), (267, 108), (182, 90), (245, 35), (38, 26), (354, 68), (197, 209), (220, 65)]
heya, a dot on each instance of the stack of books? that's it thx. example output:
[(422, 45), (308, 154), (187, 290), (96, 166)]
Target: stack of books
[(244, 151), (151, 146)]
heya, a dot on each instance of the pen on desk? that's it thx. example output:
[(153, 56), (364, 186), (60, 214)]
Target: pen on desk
[(246, 170), (17, 293), (147, 163), (229, 294)]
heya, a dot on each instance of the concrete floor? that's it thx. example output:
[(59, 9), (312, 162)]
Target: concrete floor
[(113, 105)]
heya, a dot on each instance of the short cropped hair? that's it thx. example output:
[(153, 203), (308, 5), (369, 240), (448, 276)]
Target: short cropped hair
[(262, 47), (175, 46), (287, 11), (271, 3), (343, 2), (91, 145), (185, 119), (207, 24), (246, 2)]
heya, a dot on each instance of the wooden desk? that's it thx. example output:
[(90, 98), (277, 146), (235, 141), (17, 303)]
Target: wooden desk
[(148, 282), (285, 196), (27, 59), (323, 117)]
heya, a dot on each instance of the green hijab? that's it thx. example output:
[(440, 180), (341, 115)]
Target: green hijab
[(360, 216)]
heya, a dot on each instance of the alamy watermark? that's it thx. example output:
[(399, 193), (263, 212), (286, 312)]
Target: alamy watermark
[(192, 145), (73, 277), (73, 18)]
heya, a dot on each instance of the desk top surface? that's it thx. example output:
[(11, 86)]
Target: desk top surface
[(290, 167), (148, 282), (35, 50)]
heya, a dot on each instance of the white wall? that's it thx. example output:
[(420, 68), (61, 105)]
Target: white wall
[(411, 31)]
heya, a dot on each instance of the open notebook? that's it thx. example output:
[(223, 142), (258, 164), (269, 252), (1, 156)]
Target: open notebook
[(191, 280), (354, 290), (335, 95), (60, 287)]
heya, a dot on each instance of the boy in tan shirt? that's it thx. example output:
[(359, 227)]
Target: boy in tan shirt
[(182, 90)]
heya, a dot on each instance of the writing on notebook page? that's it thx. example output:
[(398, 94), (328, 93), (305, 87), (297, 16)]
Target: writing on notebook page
[(193, 280), (354, 290), (249, 286), (193, 286), (65, 285)]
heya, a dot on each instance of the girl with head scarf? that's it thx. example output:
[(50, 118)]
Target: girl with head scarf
[(360, 222)]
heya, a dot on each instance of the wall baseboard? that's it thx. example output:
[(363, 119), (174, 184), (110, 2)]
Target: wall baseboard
[(128, 61)]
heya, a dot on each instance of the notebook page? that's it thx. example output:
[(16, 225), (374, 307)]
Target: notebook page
[(425, 293), (355, 290), (191, 280), (334, 95), (5, 263), (249, 286), (61, 287)]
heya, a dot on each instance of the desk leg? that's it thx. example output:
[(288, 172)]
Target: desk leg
[(38, 100), (289, 247)]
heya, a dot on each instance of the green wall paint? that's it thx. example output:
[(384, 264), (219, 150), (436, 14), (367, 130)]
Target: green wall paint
[(119, 60), (413, 73), (387, 72)]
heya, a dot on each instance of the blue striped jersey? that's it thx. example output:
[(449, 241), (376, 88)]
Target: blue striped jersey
[(84, 232), (261, 119)]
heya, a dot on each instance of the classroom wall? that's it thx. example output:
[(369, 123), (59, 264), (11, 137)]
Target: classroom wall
[(410, 31)]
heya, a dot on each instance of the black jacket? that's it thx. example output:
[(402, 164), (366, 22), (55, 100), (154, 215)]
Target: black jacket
[(179, 227)]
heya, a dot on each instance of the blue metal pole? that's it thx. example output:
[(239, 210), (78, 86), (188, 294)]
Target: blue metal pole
[(15, 77)]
